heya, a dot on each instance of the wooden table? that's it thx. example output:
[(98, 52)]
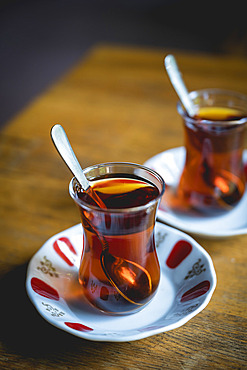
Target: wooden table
[(116, 105)]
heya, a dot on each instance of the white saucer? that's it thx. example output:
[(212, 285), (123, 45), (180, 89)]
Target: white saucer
[(169, 165), (187, 283)]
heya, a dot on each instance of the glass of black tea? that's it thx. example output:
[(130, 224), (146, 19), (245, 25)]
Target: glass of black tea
[(119, 269), (213, 178)]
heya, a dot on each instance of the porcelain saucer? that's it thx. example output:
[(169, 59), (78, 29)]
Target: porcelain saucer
[(187, 283), (169, 164)]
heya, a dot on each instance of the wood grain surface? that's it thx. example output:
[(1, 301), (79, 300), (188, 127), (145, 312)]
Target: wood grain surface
[(116, 105)]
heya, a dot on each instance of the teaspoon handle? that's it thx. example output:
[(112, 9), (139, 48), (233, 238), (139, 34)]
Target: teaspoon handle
[(65, 150), (178, 84)]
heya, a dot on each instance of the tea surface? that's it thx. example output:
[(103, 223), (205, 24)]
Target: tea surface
[(121, 192), (218, 114)]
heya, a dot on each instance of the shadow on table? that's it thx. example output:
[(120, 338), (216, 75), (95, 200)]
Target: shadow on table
[(24, 332)]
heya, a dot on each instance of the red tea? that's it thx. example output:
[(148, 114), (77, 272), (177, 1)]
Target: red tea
[(213, 179), (129, 235)]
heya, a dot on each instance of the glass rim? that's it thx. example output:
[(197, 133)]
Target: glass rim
[(118, 210), (214, 91)]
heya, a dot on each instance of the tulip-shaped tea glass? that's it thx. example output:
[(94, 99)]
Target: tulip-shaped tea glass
[(119, 269), (213, 179)]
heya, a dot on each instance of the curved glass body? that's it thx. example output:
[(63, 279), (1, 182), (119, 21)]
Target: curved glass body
[(213, 179), (119, 270)]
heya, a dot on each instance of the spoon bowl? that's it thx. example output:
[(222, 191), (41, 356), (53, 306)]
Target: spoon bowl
[(131, 280)]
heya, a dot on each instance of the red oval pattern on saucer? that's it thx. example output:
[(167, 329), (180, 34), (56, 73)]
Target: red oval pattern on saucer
[(69, 245), (196, 291), (178, 253), (43, 289), (78, 326)]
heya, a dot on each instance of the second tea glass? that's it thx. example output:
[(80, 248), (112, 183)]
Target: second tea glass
[(213, 179)]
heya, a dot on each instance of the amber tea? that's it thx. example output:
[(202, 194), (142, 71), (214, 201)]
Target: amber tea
[(119, 270), (213, 179)]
